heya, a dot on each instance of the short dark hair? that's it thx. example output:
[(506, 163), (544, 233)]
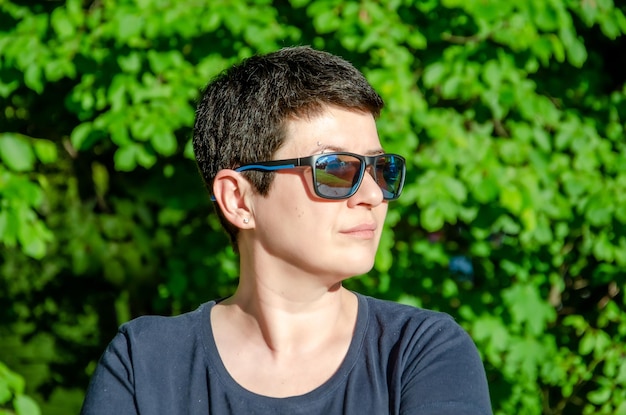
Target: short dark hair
[(242, 112)]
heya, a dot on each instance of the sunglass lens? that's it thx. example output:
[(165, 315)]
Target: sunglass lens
[(337, 175), (389, 175)]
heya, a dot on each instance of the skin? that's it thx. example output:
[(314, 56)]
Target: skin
[(289, 324)]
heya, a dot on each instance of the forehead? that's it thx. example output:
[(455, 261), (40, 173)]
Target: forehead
[(332, 129)]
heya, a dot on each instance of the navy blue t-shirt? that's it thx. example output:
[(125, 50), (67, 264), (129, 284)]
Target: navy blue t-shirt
[(402, 360)]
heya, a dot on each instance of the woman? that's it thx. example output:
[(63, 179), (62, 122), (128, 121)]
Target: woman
[(288, 148)]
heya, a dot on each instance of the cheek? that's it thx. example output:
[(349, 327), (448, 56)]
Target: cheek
[(381, 210), (299, 213)]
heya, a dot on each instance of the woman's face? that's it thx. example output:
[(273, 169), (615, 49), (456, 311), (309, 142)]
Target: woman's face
[(333, 238)]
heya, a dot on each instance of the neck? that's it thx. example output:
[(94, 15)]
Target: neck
[(290, 322), (286, 307)]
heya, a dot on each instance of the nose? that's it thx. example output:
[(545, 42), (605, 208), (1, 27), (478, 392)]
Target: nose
[(369, 192)]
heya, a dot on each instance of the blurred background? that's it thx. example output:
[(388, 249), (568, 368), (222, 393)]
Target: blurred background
[(511, 114)]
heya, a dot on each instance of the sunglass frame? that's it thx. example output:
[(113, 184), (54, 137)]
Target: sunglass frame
[(310, 161)]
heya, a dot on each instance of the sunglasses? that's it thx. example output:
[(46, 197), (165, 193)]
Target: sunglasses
[(338, 175)]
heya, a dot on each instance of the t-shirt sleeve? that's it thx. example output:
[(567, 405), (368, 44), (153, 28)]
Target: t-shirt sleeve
[(444, 374), (111, 390)]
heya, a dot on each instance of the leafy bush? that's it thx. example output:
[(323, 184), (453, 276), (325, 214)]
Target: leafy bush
[(511, 116), (12, 397)]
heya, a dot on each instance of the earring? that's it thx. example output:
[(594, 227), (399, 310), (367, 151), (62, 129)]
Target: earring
[(246, 220)]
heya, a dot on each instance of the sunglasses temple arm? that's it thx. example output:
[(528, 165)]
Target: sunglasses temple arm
[(262, 167)]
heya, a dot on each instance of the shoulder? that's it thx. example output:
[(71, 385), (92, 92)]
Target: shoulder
[(437, 363), (414, 330), (393, 314), (152, 363), (157, 332)]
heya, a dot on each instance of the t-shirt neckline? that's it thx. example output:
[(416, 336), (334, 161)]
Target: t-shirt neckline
[(216, 366)]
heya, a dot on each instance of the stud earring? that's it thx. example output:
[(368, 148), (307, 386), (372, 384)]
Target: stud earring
[(246, 220)]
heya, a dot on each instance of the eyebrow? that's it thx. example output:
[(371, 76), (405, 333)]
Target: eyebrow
[(341, 149)]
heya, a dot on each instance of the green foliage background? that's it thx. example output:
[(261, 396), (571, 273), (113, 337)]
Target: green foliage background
[(511, 114)]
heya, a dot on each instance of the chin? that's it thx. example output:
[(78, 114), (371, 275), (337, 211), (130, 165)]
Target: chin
[(355, 268)]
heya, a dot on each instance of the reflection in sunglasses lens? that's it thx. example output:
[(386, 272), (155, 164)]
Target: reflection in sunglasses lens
[(338, 175), (389, 176)]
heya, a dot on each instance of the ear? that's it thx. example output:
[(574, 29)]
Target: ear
[(232, 194)]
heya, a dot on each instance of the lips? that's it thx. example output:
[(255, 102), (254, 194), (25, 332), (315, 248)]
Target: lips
[(366, 231)]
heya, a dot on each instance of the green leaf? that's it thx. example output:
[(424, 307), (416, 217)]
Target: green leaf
[(46, 151), (129, 26), (491, 330), (11, 380), (8, 228), (100, 177), (599, 210), (33, 241), (33, 78), (434, 74), (485, 190), (455, 188), (5, 393), (126, 158), (7, 86), (188, 152), (25, 405), (61, 23), (546, 17), (587, 343), (130, 63), (80, 134), (432, 219), (600, 396), (511, 198), (603, 249), (449, 288), (146, 157), (164, 142), (542, 138), (527, 307), (492, 73), (576, 52), (325, 18), (16, 152)]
